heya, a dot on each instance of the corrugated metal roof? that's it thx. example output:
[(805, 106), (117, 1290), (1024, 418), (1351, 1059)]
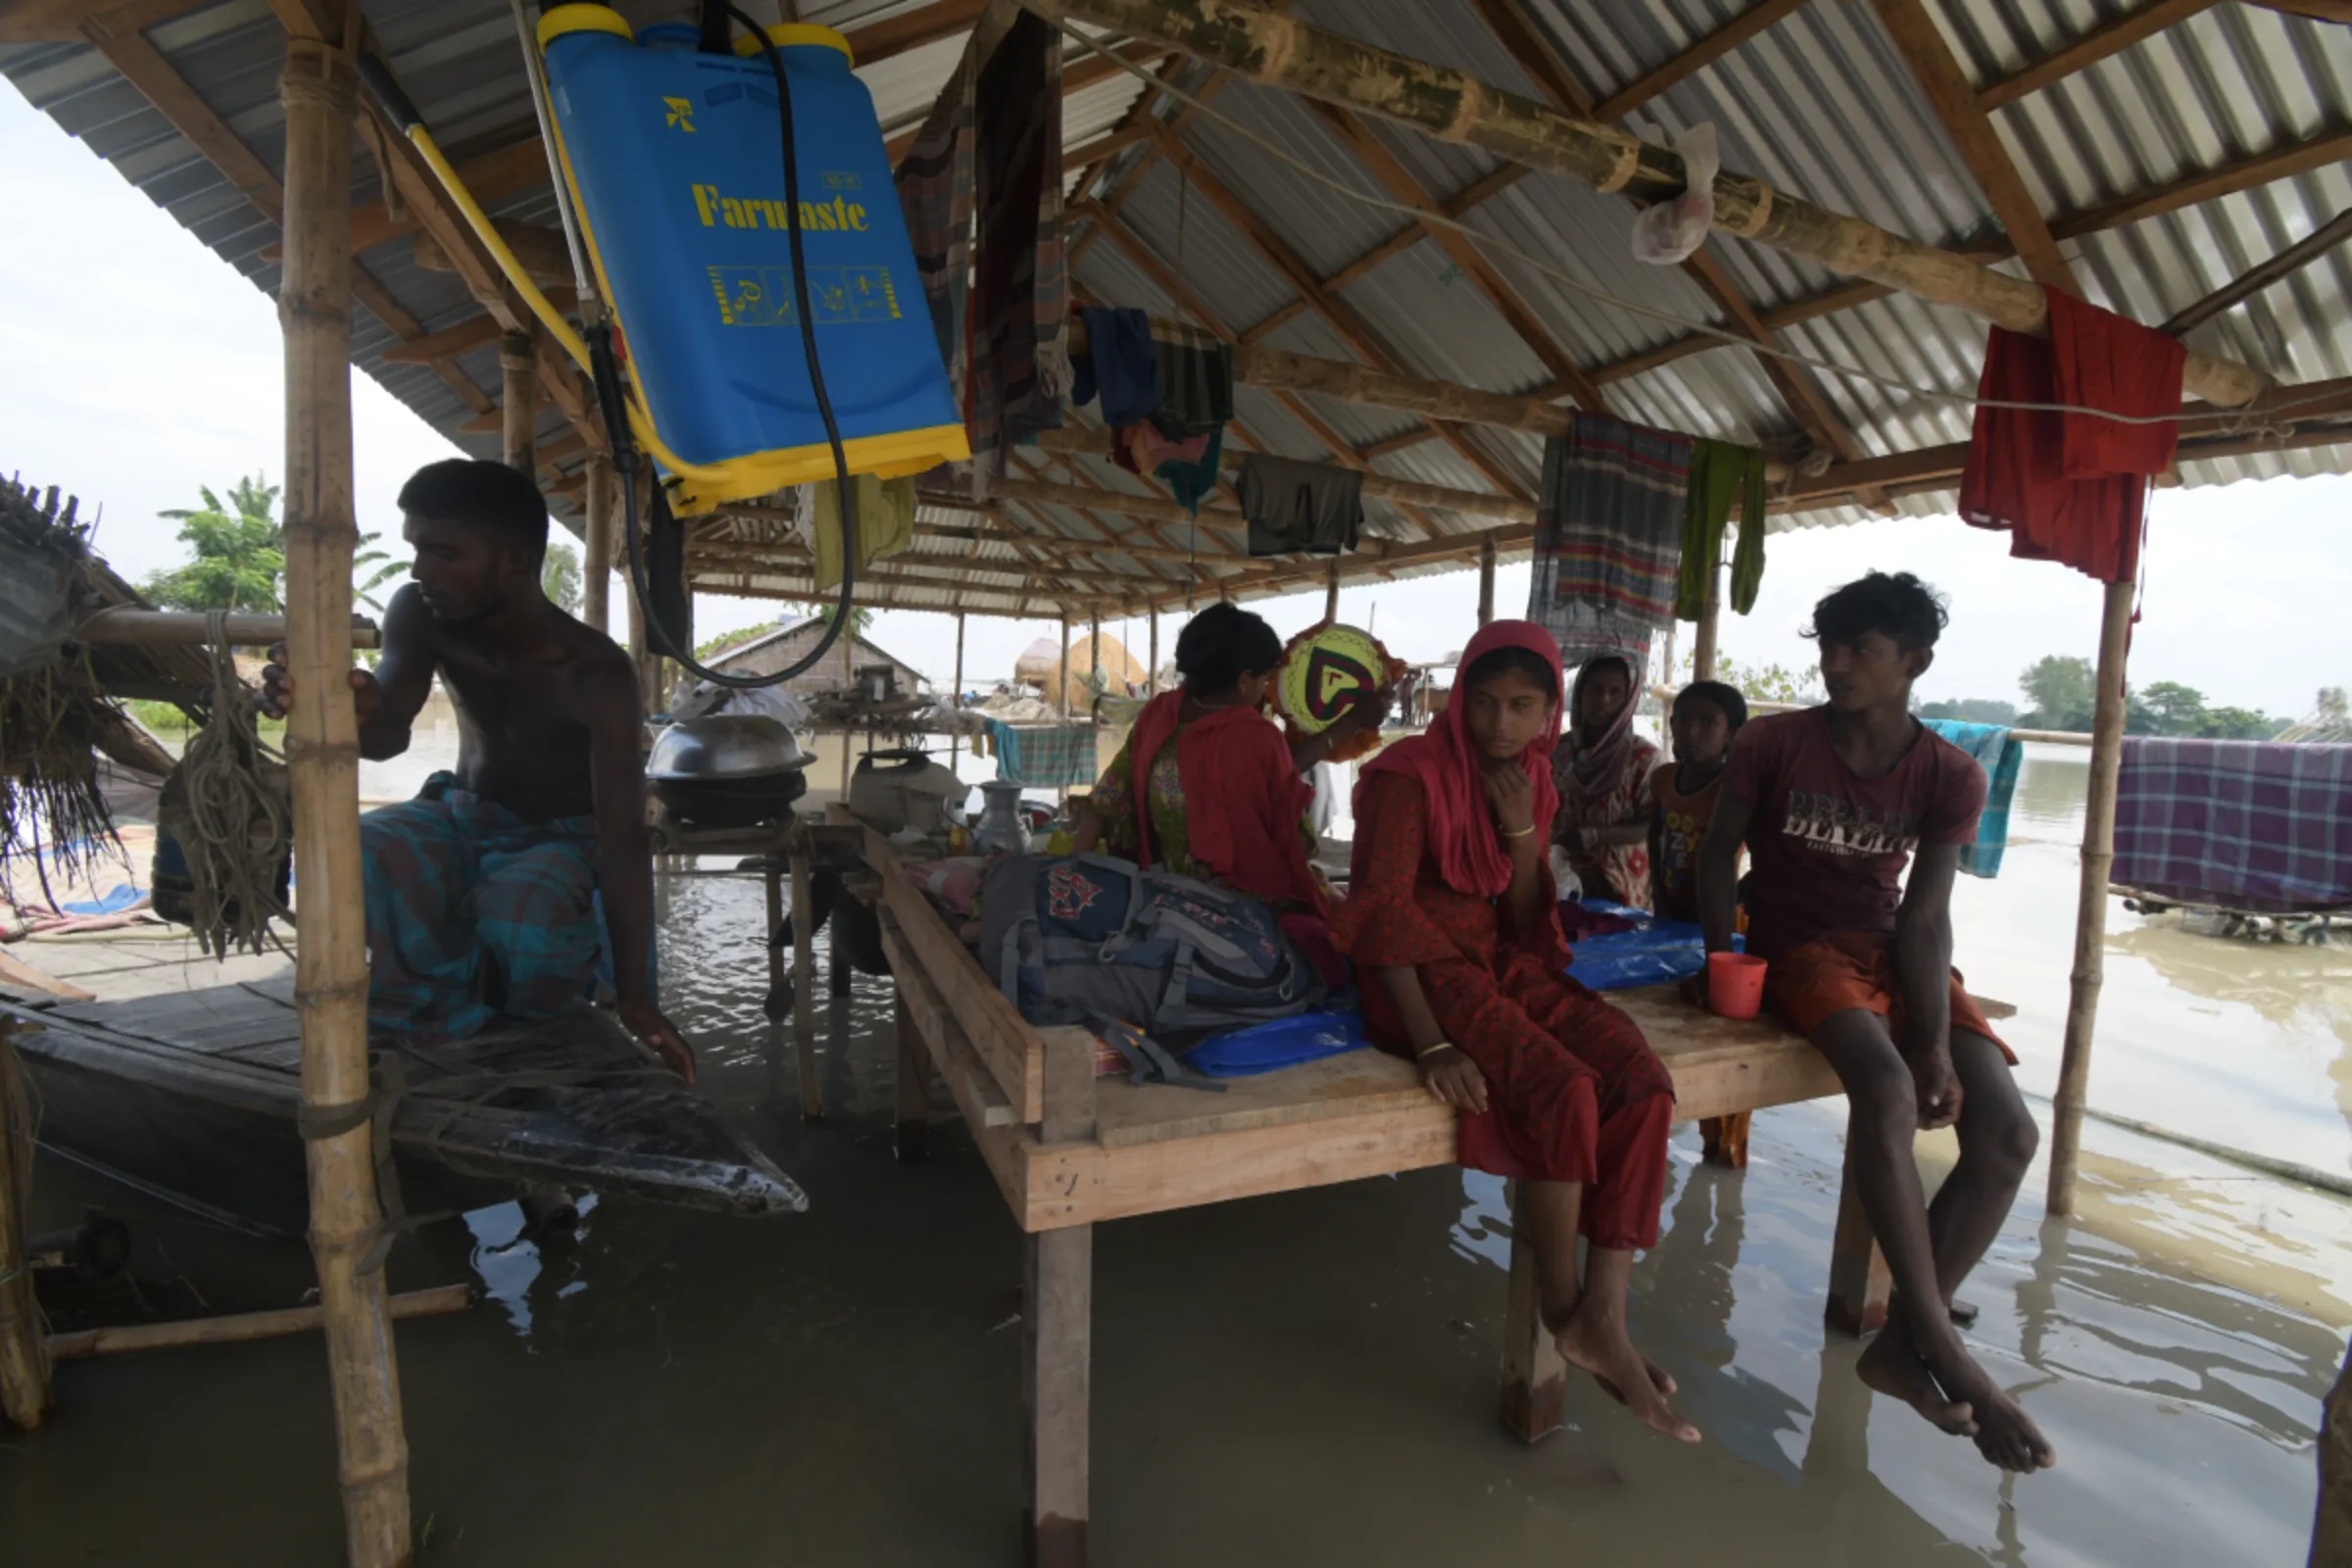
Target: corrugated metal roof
[(1819, 103)]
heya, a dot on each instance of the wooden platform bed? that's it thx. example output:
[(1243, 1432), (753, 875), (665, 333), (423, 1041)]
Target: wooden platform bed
[(1070, 1151)]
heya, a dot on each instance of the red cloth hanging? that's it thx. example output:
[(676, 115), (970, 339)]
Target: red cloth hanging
[(2073, 487)]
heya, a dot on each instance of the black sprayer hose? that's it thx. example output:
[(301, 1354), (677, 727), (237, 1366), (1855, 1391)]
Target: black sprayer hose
[(606, 372)]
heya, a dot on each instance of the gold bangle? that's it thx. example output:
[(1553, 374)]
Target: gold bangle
[(1522, 833), (1443, 1045)]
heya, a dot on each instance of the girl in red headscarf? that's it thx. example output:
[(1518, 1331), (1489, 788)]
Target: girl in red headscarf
[(1451, 919), (1208, 785)]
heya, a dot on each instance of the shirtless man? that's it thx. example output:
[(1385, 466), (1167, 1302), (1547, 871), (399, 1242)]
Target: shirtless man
[(482, 893), (1829, 802)]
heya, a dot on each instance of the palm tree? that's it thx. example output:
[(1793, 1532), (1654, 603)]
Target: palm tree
[(240, 553)]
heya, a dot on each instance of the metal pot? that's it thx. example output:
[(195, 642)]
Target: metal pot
[(999, 826), (727, 770)]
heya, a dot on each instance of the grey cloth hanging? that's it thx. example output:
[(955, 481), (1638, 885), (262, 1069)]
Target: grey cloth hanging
[(1296, 507)]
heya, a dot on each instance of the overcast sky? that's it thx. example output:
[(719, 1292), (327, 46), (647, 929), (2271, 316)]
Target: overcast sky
[(141, 367)]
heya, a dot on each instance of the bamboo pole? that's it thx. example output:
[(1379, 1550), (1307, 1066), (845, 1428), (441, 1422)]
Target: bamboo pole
[(2090, 910), (330, 977), (595, 567), (955, 697), (1277, 50), (1485, 580), (1061, 693), (25, 1388), (128, 626), (1331, 593), (519, 410), (1152, 675), (236, 1328), (1710, 621)]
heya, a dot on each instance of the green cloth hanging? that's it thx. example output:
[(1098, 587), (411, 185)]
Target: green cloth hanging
[(884, 523), (1721, 473)]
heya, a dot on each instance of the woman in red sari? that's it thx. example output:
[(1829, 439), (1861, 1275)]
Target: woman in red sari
[(1451, 920), (1207, 786)]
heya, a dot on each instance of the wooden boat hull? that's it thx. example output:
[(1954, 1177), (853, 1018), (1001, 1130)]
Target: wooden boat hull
[(191, 1097)]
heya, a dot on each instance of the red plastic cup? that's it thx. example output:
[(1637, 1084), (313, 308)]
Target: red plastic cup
[(1734, 984)]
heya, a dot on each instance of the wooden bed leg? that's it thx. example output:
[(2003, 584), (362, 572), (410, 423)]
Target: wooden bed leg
[(914, 1084), (840, 963), (803, 974), (771, 873), (1859, 1282), (1725, 1140), (1534, 1387), (1057, 1353), (1057, 1330)]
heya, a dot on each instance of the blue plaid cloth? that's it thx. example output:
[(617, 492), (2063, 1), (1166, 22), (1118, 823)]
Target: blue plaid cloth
[(1044, 756), (473, 914), (2002, 755), (2243, 824)]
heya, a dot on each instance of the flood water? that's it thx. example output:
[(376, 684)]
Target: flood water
[(1301, 1379)]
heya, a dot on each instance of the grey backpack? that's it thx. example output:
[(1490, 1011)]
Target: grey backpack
[(1091, 939)]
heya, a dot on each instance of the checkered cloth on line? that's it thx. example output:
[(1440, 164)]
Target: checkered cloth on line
[(1044, 756), (2243, 824)]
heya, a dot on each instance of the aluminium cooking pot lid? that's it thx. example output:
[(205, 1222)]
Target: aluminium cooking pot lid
[(724, 746)]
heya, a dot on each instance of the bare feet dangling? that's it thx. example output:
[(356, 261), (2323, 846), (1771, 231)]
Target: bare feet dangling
[(1603, 1348)]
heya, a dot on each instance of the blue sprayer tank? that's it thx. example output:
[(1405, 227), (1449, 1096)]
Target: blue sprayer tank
[(677, 160)]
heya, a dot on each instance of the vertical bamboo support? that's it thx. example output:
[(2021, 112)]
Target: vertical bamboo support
[(25, 1392), (804, 975), (1152, 675), (518, 368), (1061, 692), (1703, 642), (1093, 646), (1485, 580), (2090, 914), (330, 977), (1331, 593), (595, 567), (955, 697)]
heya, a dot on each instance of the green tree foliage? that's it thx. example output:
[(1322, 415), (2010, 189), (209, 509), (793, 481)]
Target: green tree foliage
[(1770, 683), (860, 618), (705, 651), (1972, 711), (240, 553), (2063, 691), (559, 577)]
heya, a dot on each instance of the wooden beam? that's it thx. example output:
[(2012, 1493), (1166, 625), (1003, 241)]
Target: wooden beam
[(870, 47), (1076, 77), (2336, 11), (2254, 280), (1359, 333), (1377, 486), (475, 332), (1916, 33), (63, 20), (1402, 185), (1272, 48), (2243, 173), (1701, 54), (2088, 50)]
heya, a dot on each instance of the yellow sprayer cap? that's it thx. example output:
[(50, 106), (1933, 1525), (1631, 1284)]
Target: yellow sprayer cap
[(583, 19), (785, 34)]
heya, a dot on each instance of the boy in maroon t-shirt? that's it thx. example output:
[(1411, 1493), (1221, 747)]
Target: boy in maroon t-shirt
[(1830, 803)]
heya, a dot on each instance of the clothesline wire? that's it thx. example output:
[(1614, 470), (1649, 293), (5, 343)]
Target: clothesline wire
[(2251, 418)]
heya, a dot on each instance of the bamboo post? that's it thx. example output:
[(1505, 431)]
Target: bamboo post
[(518, 369), (2090, 913), (1061, 693), (1278, 50), (955, 697), (330, 976), (1710, 617), (803, 974), (1093, 646), (24, 1390), (235, 1328), (1331, 593), (1485, 580), (1152, 675), (596, 565)]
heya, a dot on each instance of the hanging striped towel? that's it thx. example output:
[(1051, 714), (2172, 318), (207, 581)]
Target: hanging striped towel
[(1608, 535)]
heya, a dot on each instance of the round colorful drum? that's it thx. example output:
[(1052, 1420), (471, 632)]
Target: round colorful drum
[(1324, 670)]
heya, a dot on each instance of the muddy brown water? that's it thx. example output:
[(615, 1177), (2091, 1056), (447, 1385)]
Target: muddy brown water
[(1301, 1379)]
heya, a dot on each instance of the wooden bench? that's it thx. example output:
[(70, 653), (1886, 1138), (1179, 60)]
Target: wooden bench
[(1069, 1151)]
